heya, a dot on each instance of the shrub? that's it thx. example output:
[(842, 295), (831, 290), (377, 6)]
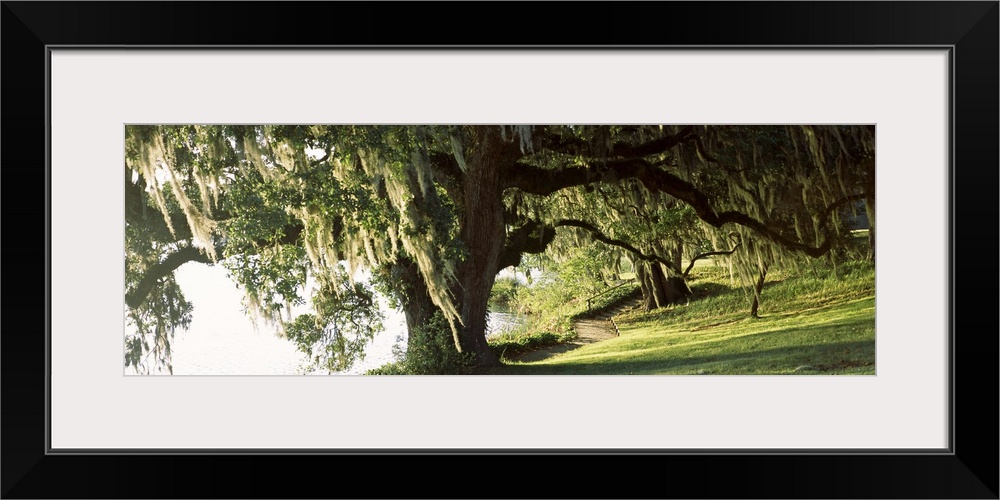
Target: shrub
[(512, 344), (430, 351), (505, 290)]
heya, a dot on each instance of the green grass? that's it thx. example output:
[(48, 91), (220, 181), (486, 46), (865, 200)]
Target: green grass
[(809, 324)]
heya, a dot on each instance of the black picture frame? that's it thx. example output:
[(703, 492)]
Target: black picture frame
[(969, 470)]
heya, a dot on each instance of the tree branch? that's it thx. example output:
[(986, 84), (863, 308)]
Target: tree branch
[(533, 237), (708, 254), (445, 165), (138, 295), (701, 148), (574, 146), (598, 235), (138, 213), (543, 182)]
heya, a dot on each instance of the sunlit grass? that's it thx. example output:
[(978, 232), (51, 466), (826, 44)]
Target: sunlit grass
[(809, 324)]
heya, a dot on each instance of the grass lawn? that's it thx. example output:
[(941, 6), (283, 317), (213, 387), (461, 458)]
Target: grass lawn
[(813, 323)]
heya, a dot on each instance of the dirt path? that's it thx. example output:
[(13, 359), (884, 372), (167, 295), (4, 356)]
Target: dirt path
[(588, 331)]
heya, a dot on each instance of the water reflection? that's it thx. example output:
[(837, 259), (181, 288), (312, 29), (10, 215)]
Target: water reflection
[(501, 320)]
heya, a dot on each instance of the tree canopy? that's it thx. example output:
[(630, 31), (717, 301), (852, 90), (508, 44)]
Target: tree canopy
[(435, 211)]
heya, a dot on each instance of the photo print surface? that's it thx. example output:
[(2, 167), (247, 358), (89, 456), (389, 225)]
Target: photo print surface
[(432, 249)]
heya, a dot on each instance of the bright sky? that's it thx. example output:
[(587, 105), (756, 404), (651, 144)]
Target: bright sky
[(222, 339)]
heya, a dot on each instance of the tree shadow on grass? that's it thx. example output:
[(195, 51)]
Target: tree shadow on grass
[(702, 290), (838, 344), (809, 359)]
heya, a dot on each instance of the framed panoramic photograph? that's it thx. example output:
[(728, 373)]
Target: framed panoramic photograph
[(724, 252)]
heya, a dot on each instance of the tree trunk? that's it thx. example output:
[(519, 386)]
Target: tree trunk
[(418, 308), (676, 290), (483, 233), (870, 208), (678, 254), (657, 282), (658, 288), (758, 287), (870, 212), (648, 302)]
